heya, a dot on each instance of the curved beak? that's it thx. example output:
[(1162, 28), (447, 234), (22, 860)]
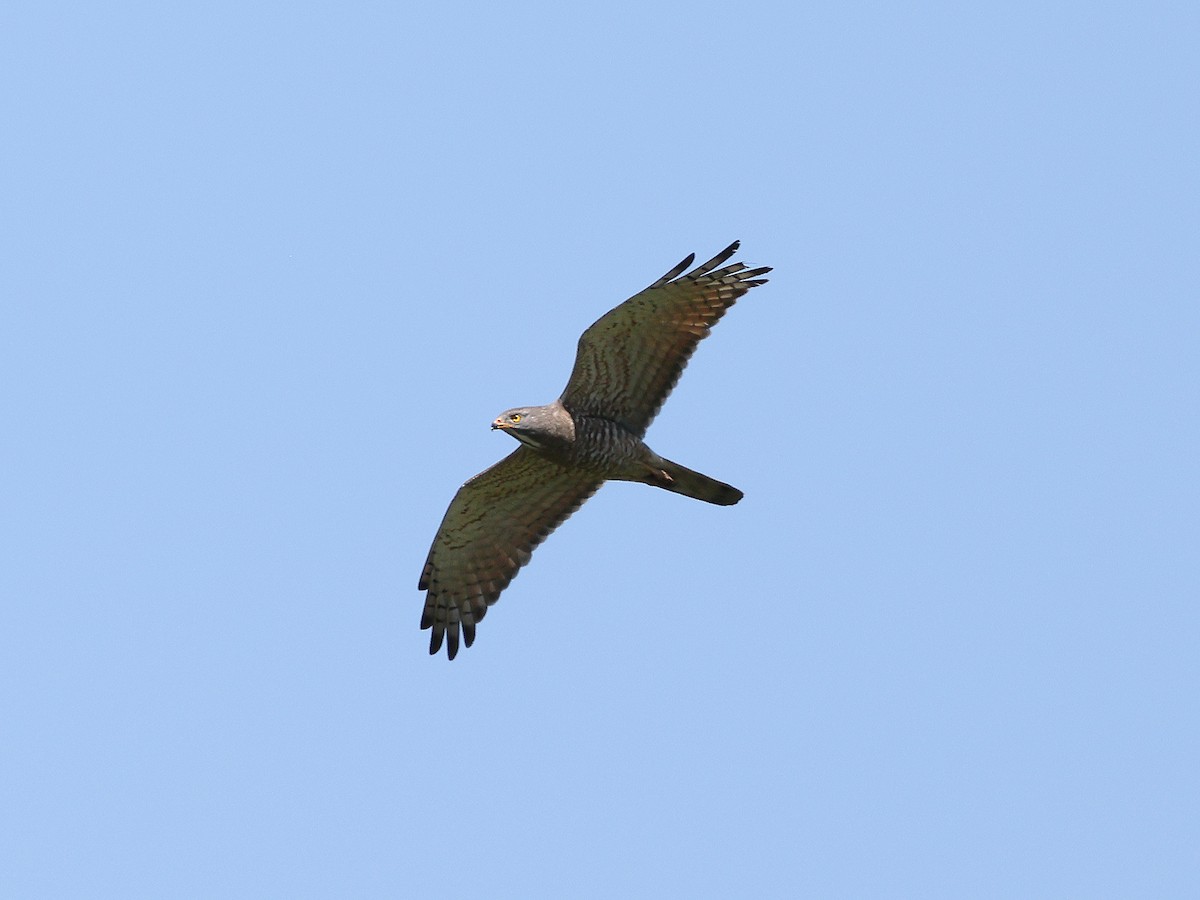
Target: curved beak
[(499, 423)]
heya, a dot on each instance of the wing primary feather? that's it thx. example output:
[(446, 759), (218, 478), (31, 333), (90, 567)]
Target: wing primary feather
[(754, 273), (707, 267), (675, 272)]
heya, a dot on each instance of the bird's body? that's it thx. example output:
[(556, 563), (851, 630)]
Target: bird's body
[(627, 363), (605, 449)]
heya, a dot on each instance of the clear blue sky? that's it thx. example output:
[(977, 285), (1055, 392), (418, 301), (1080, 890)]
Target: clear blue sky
[(270, 270)]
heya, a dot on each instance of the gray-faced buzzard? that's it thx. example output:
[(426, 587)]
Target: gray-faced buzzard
[(626, 364)]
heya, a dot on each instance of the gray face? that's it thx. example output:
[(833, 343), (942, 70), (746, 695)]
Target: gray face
[(540, 427), (512, 419), (521, 423)]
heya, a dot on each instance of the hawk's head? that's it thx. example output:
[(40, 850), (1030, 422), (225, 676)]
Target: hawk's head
[(537, 426)]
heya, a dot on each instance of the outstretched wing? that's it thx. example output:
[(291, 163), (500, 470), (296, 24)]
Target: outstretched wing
[(493, 523), (629, 360)]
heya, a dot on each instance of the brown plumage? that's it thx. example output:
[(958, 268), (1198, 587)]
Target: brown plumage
[(626, 365)]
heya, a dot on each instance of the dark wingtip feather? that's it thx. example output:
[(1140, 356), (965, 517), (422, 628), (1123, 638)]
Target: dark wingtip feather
[(676, 271), (707, 267)]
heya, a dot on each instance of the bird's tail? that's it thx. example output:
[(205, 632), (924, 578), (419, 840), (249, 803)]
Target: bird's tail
[(672, 476)]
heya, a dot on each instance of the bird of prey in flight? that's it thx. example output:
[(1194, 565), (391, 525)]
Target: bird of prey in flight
[(626, 364)]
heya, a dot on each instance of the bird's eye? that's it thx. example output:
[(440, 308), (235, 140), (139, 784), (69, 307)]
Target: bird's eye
[(515, 417)]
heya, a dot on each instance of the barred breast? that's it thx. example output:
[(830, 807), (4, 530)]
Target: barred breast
[(605, 446)]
